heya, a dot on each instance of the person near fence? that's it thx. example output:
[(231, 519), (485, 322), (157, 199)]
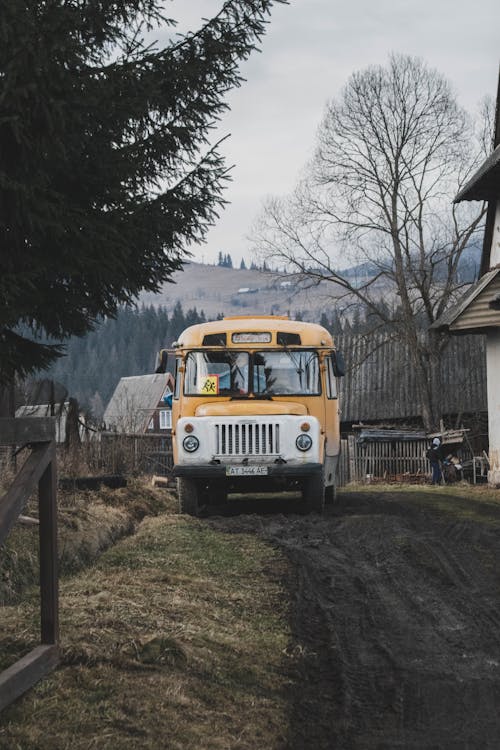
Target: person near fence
[(434, 456)]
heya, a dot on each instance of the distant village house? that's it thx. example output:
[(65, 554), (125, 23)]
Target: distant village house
[(141, 404)]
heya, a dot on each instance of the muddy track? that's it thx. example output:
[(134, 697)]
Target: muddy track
[(396, 621)]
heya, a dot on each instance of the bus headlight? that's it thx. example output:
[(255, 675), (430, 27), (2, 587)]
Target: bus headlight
[(304, 442), (191, 443)]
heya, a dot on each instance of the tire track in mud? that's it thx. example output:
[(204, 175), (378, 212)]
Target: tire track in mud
[(396, 622)]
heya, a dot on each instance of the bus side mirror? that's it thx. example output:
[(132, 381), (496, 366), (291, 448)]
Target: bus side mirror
[(161, 361), (338, 364)]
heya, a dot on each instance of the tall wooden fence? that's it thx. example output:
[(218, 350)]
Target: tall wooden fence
[(37, 472)]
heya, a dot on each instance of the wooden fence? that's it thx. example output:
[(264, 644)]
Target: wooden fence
[(360, 460), (389, 459), (149, 453), (38, 471)]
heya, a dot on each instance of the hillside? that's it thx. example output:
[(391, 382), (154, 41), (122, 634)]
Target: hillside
[(231, 291)]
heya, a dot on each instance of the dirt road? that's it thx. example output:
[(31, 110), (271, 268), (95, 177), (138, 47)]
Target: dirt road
[(396, 620)]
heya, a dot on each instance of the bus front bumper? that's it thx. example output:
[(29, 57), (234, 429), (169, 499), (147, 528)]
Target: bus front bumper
[(242, 471)]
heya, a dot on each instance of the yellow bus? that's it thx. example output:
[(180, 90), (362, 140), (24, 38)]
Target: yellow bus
[(255, 409)]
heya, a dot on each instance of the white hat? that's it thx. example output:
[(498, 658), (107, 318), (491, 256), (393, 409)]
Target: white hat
[(436, 442)]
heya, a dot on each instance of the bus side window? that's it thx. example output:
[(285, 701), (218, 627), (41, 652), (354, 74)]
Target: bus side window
[(331, 382)]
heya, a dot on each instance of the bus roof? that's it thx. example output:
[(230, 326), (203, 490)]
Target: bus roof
[(205, 334)]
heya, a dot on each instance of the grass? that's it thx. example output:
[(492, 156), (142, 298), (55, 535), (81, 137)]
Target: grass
[(88, 523), (175, 638)]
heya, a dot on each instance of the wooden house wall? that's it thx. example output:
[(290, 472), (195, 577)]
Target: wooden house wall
[(478, 314)]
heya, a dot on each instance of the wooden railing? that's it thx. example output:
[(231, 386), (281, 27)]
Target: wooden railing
[(39, 469)]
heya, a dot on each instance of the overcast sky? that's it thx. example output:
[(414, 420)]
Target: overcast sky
[(310, 50)]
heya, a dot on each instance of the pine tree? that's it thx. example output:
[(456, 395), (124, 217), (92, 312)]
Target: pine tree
[(106, 173), (243, 265)]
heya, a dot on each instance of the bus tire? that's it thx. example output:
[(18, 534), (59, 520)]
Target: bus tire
[(313, 494), (187, 492)]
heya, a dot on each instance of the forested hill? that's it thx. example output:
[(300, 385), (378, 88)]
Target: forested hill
[(241, 291)]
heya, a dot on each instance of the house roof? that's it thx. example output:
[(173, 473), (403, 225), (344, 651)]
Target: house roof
[(485, 184), (380, 384), (134, 401), (450, 316)]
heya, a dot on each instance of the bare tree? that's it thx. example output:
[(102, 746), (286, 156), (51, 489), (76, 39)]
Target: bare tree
[(391, 155)]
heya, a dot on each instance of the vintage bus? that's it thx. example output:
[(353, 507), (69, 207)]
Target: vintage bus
[(255, 409)]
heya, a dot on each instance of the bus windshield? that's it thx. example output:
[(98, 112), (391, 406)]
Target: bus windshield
[(226, 373), (286, 372), (214, 373)]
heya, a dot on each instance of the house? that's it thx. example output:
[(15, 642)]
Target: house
[(479, 310), (141, 404)]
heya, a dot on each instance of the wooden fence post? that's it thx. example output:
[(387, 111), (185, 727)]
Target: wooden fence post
[(47, 491)]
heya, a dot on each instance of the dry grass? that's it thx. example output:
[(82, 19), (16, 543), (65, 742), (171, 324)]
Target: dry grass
[(88, 523), (176, 638)]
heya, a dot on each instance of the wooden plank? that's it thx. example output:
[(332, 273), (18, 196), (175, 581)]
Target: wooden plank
[(26, 672), (26, 430), (47, 513), (13, 502)]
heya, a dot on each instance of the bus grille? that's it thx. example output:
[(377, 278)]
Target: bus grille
[(247, 439)]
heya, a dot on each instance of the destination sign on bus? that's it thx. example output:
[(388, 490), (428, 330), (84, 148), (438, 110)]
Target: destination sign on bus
[(249, 337)]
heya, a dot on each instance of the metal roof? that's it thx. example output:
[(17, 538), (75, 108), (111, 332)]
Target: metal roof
[(313, 335)]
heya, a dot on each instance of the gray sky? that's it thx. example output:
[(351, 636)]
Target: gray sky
[(310, 49)]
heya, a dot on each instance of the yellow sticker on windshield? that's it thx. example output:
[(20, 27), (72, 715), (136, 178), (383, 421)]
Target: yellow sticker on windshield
[(209, 385)]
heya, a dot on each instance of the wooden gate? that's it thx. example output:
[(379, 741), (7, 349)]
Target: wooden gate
[(39, 470)]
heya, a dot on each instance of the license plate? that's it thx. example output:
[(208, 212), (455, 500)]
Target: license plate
[(246, 471)]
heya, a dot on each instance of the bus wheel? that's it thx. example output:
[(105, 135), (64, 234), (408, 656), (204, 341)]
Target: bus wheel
[(187, 492), (313, 494)]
